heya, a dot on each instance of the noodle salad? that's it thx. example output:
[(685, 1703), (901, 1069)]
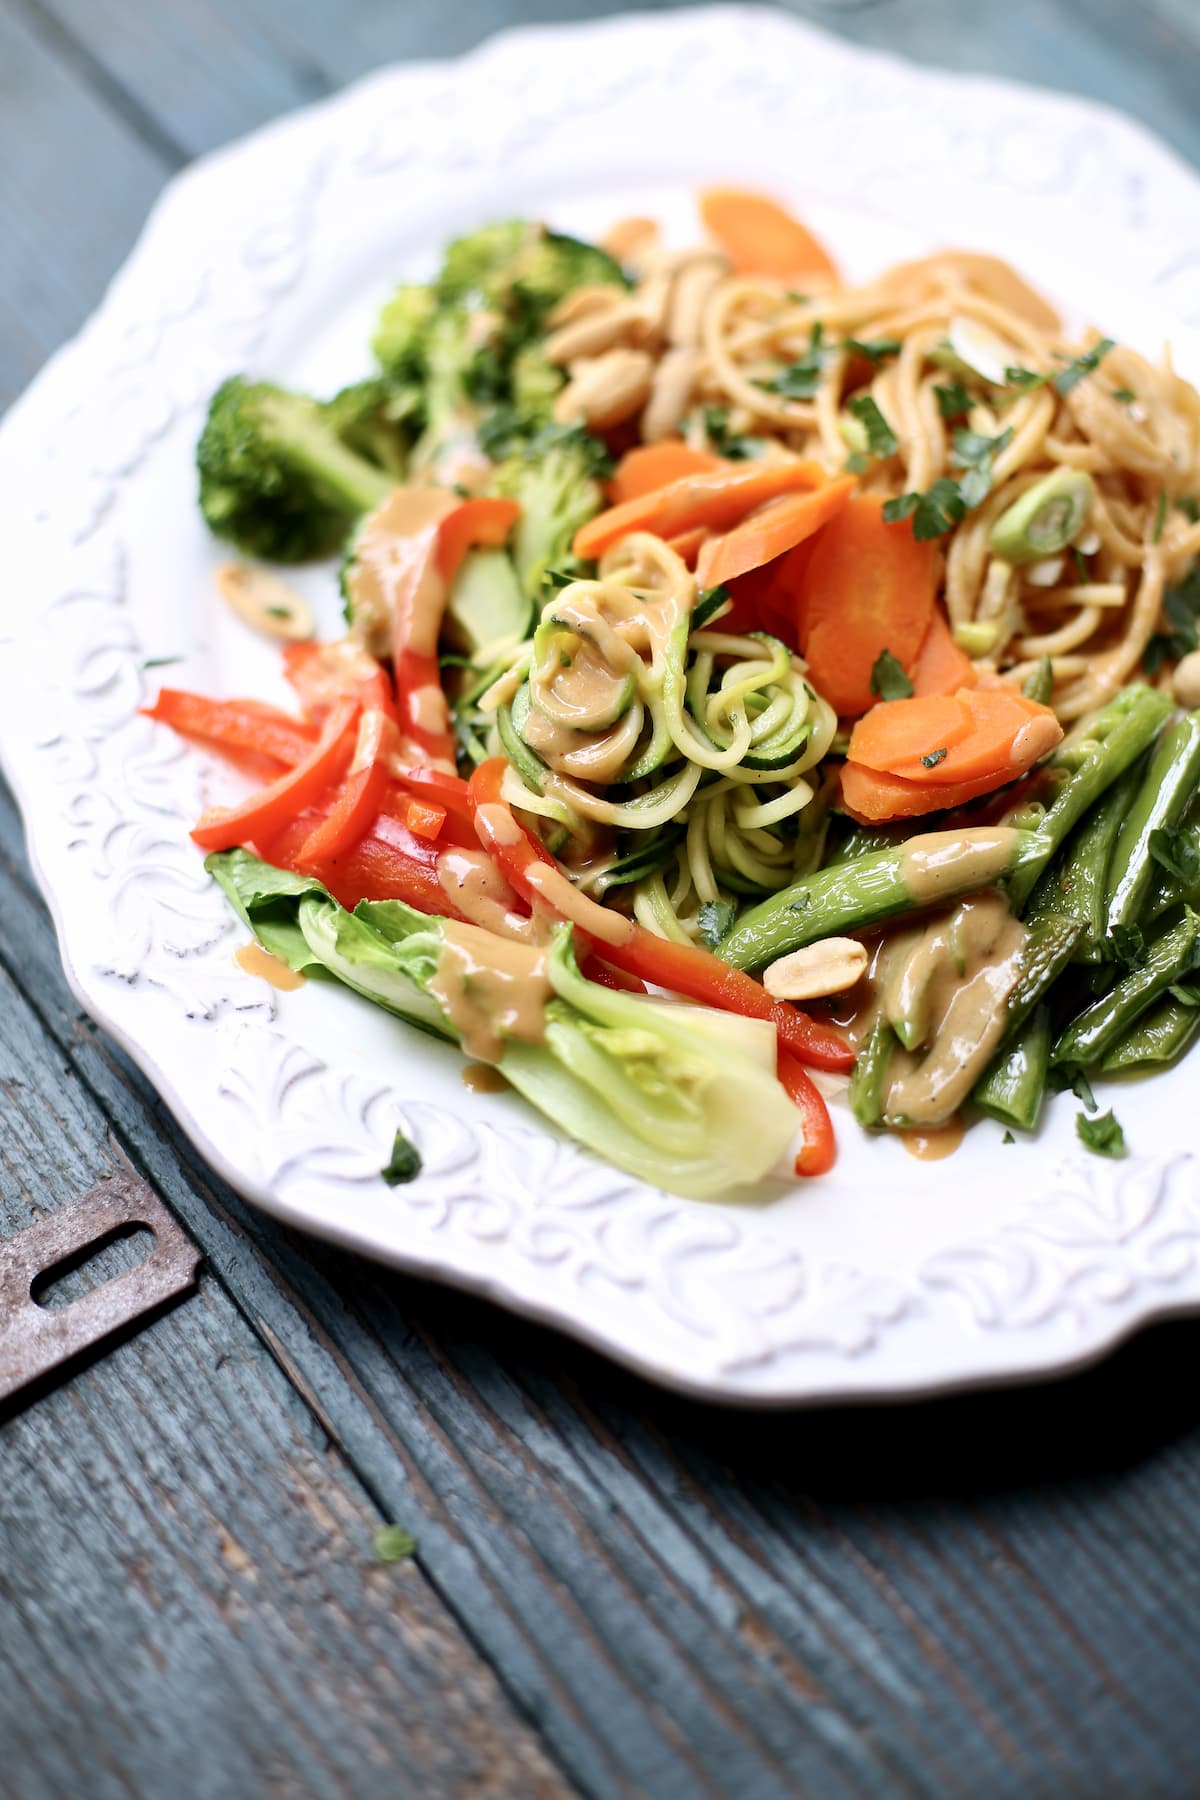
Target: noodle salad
[(754, 689)]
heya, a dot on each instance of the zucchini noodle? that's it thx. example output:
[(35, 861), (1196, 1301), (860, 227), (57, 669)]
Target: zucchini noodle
[(665, 765)]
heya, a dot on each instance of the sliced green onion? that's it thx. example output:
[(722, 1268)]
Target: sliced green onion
[(1045, 519)]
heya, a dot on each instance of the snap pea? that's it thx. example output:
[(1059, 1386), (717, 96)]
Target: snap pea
[(1013, 1086), (868, 1083), (1157, 1040), (1083, 768), (1168, 787), (1089, 1037), (935, 867), (1076, 883)]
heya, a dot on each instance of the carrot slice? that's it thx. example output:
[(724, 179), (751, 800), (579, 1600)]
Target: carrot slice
[(689, 544), (893, 737), (868, 587), (484, 521), (717, 498), (770, 531), (913, 756), (872, 798), (651, 466), (941, 667), (760, 237)]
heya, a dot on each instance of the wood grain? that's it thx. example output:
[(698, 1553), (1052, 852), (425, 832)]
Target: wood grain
[(985, 1595), (615, 1591)]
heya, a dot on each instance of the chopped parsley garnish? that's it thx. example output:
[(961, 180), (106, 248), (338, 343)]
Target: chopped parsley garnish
[(1181, 609), (558, 578), (933, 759), (733, 444), (1059, 1080), (1124, 395), (1126, 945), (1024, 378), (1189, 506), (801, 379), (393, 1544), (881, 439), (888, 680), (1102, 1135), (1074, 370), (1008, 1138), (857, 463), (1081, 568), (1069, 376), (953, 400), (933, 513), (716, 917), (161, 662), (1160, 517), (876, 350), (404, 1164), (941, 507), (1175, 851)]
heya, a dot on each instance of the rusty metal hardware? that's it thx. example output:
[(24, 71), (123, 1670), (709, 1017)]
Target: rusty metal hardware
[(36, 1339)]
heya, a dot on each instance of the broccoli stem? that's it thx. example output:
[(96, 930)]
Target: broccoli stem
[(346, 480)]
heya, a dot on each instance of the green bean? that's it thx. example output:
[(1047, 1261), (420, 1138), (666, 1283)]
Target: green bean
[(868, 1083), (1077, 882), (1048, 951), (1167, 790), (1084, 768), (1157, 1040), (936, 867), (1013, 1086), (1089, 1037)]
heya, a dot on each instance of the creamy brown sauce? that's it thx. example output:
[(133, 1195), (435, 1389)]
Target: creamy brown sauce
[(939, 862), (588, 756), (561, 895), (257, 961), (946, 999), (483, 1078), (942, 984), (396, 591), (490, 989), (476, 889), (937, 1142)]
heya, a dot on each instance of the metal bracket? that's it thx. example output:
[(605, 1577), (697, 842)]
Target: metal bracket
[(36, 1339)]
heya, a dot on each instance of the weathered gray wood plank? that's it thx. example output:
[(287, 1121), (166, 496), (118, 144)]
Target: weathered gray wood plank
[(188, 1587), (922, 1600)]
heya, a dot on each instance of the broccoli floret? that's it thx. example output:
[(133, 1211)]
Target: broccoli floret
[(376, 419), (553, 475), (535, 383), (519, 267), (399, 341), (275, 478)]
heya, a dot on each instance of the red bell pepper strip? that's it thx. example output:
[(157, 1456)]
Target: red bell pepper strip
[(484, 521), (264, 813), (820, 1147), (687, 969), (387, 863), (604, 975), (681, 968), (235, 724), (438, 788), (357, 802)]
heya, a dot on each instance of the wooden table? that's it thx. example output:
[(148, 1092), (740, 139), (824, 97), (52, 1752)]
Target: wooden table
[(614, 1592)]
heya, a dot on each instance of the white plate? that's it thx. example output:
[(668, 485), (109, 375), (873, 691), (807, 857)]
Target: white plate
[(889, 1278)]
